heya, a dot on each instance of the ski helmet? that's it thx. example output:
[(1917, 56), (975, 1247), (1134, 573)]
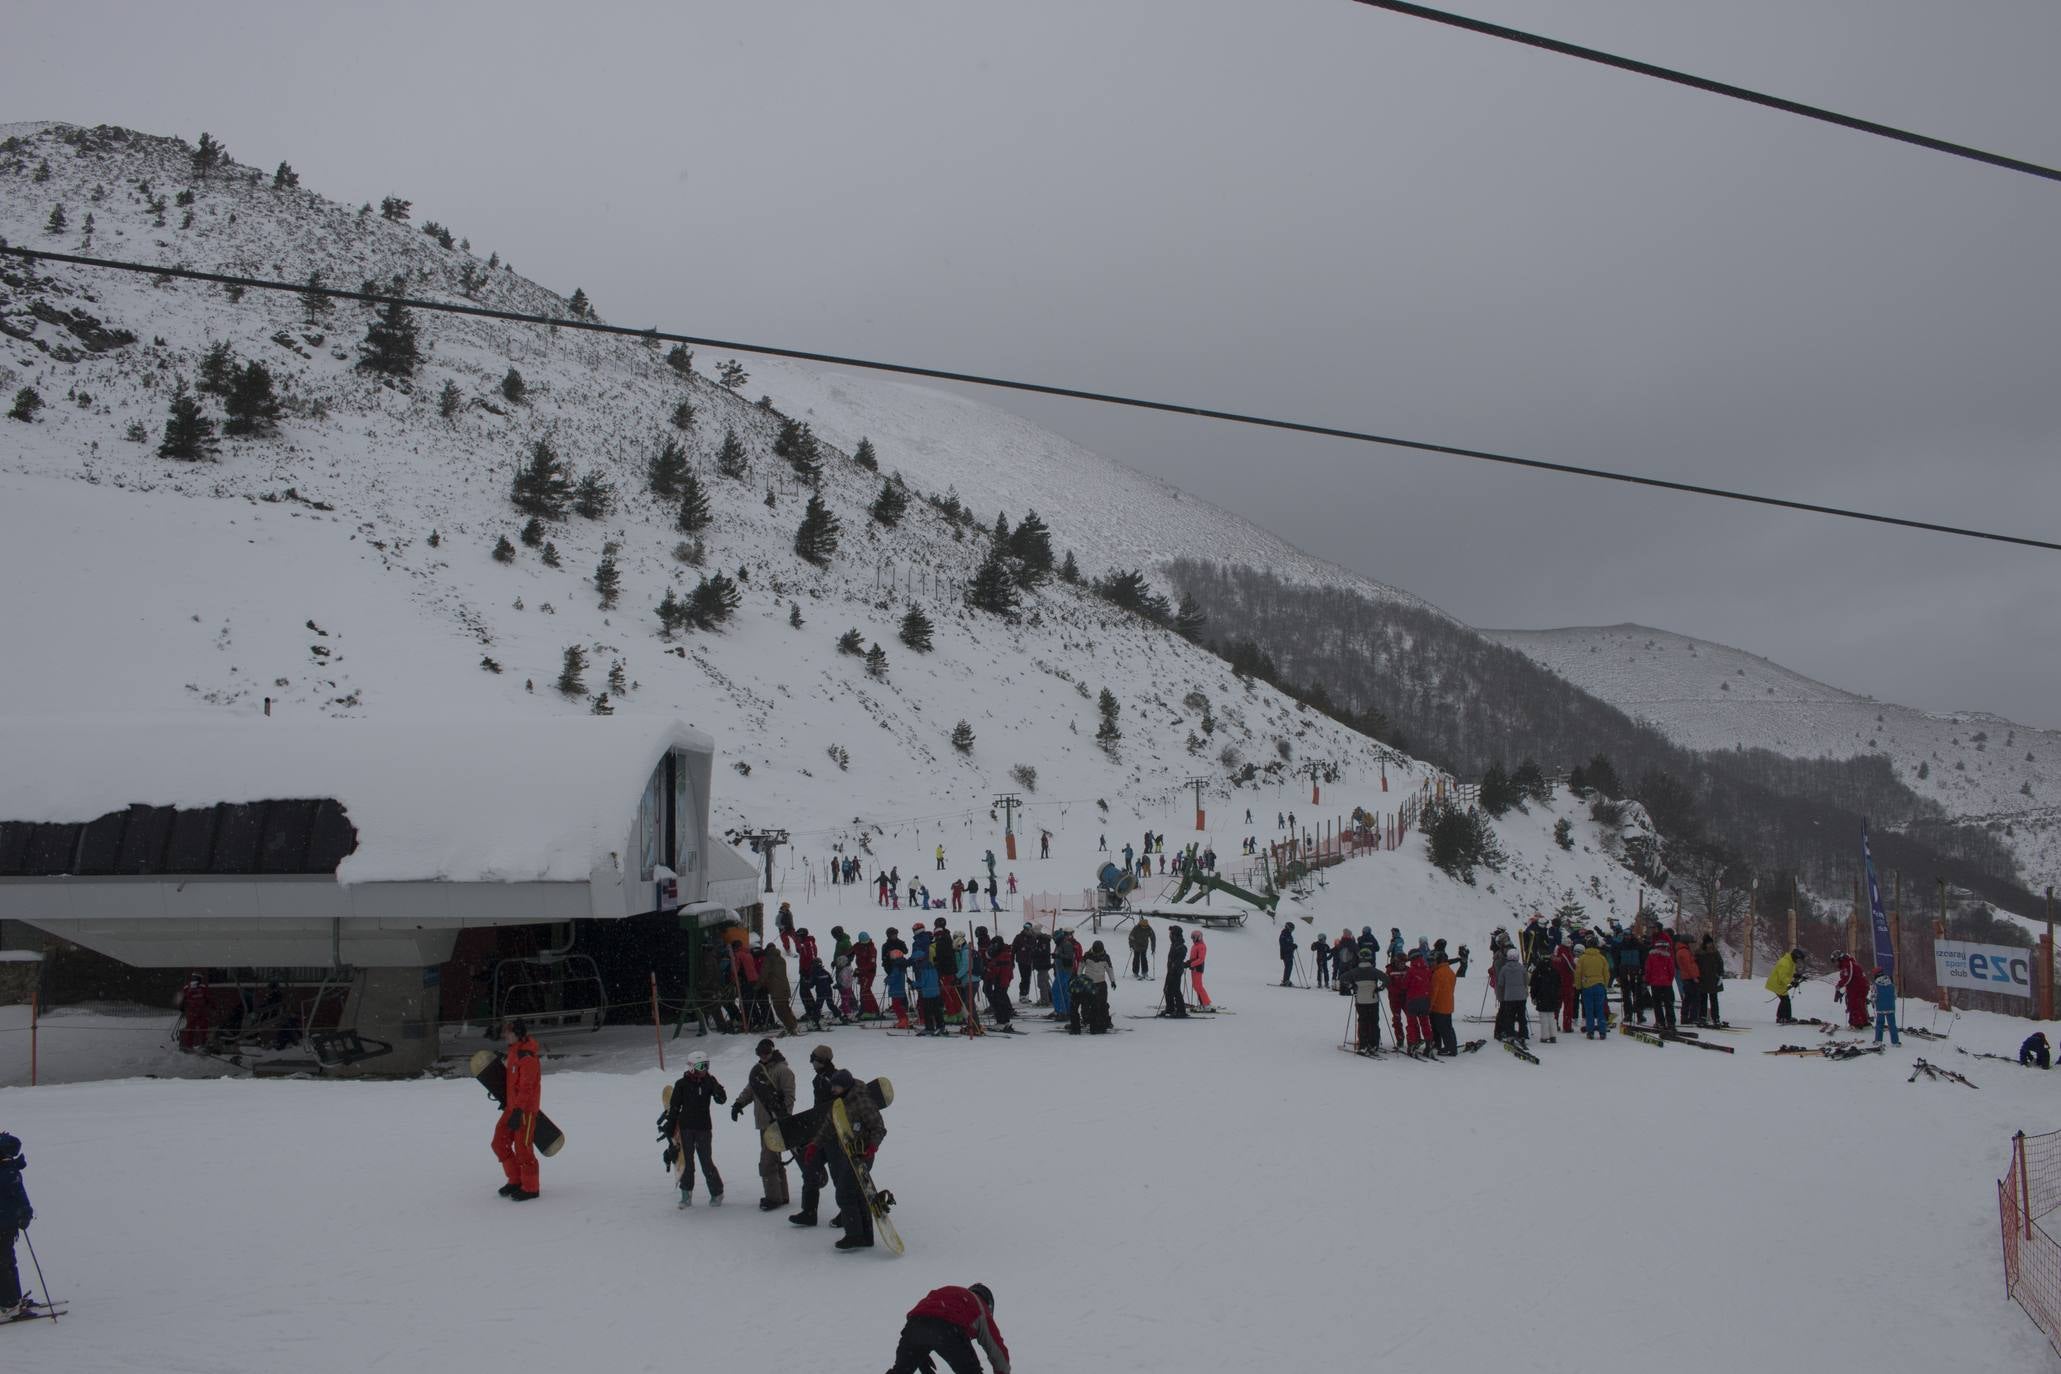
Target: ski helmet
[(984, 1293), (864, 938), (697, 1061), (519, 1028), (10, 1147)]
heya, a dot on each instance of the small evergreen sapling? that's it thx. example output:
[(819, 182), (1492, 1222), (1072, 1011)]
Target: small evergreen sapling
[(916, 630), (888, 506), (681, 359), (217, 366), (189, 434), (816, 538), (27, 402), (668, 467), (389, 348), (730, 457), (287, 179), (504, 552), (449, 400), (851, 642), (542, 487), (865, 457), (876, 662), (993, 588), (513, 388), (533, 532), (550, 555), (395, 209), (794, 615), (683, 415), (712, 602), (593, 496), (732, 375), (962, 737), (694, 507), (608, 579), (252, 407), (208, 155)]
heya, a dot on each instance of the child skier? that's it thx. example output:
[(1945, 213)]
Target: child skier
[(1885, 1008), (15, 1215)]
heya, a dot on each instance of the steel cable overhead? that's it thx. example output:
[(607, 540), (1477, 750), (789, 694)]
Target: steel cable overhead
[(1038, 389)]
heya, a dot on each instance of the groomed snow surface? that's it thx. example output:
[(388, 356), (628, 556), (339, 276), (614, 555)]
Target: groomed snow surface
[(1218, 1194)]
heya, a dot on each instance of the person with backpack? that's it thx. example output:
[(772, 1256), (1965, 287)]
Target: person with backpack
[(1097, 981), (769, 1092), (929, 991), (866, 963), (1368, 993), (1660, 980), (773, 987), (686, 1123), (868, 1131), (1510, 993), (895, 959), (815, 1172), (1172, 1002), (15, 1216), (948, 1323)]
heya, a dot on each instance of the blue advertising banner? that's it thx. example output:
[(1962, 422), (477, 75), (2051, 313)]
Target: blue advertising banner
[(1885, 948)]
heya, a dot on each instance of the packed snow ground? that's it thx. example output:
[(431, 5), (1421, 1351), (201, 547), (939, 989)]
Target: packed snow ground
[(1218, 1194)]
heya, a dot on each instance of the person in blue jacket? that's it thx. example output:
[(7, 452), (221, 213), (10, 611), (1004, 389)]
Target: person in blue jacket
[(1396, 947), (929, 991), (1066, 958), (15, 1215), (1885, 1008), (1288, 953)]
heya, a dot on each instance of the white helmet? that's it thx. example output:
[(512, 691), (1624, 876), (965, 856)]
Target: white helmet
[(697, 1061)]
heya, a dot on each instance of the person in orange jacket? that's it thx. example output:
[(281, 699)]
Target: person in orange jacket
[(1690, 976), (1442, 980), (1198, 952), (518, 1124)]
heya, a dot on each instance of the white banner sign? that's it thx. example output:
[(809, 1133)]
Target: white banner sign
[(1983, 968)]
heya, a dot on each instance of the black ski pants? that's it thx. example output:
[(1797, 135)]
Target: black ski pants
[(1094, 1005), (933, 1009), (1710, 1006), (923, 1337), (1692, 999), (814, 1176), (1511, 1023), (1628, 988), (1175, 1003), (1287, 970), (699, 1145), (1141, 966), (1442, 1038), (1663, 1006), (1370, 1025), (852, 1210), (10, 1277), (998, 1002)]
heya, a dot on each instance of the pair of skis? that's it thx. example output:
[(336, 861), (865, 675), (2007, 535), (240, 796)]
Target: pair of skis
[(1936, 1074)]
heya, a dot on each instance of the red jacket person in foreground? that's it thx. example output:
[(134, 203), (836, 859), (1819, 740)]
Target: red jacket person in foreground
[(518, 1124), (947, 1323)]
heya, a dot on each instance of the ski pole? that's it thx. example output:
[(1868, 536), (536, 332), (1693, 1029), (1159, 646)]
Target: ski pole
[(41, 1282)]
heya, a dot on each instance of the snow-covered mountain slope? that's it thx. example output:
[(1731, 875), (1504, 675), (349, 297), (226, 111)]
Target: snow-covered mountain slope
[(1980, 768), (346, 565), (1113, 516)]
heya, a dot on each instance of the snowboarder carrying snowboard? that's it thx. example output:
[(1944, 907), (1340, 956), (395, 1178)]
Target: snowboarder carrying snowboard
[(814, 1172), (687, 1122), (868, 1130), (946, 1323), (769, 1092), (15, 1215), (513, 1133)]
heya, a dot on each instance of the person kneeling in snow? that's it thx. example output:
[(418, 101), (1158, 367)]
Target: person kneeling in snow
[(2034, 1050), (946, 1323)]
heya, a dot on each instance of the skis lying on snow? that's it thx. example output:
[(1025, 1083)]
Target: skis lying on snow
[(1678, 1038), (2000, 1058), (1642, 1034), (1472, 1046), (1923, 1034), (1936, 1073), (1521, 1052), (1828, 1051)]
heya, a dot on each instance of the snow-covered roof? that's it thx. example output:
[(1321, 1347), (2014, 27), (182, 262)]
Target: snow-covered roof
[(493, 800)]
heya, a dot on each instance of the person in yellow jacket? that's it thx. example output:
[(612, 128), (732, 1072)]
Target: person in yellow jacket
[(1788, 973), (1592, 982)]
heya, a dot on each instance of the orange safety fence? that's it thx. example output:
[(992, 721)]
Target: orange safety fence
[(2027, 1197)]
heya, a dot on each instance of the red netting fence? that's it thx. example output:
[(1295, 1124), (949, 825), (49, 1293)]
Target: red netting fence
[(2027, 1198)]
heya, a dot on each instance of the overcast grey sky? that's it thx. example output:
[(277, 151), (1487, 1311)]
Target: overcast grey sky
[(1298, 207)]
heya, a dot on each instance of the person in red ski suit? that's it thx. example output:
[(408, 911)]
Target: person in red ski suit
[(1198, 955), (947, 1323), (518, 1123), (1853, 986), (866, 964), (1417, 1001), (1563, 964), (193, 1004), (1660, 980)]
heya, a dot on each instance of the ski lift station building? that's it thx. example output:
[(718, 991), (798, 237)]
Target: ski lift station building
[(414, 855)]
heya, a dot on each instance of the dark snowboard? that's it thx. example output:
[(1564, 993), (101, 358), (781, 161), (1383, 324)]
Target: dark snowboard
[(492, 1072)]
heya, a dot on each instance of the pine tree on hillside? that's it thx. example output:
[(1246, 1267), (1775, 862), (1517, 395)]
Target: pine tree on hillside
[(817, 537), (395, 209), (551, 559), (1131, 592), (667, 470), (888, 506), (504, 552), (730, 457), (1603, 777), (532, 532), (57, 222), (542, 487), (450, 400), (876, 662), (1031, 548), (514, 389), (681, 359), (683, 415), (217, 368), (794, 615), (579, 305), (286, 178), (732, 375), (315, 307), (864, 456), (917, 630), (1107, 734), (671, 614), (593, 495), (1530, 782), (1001, 530), (389, 349), (608, 580), (572, 677), (797, 444), (1497, 795), (962, 737), (208, 155), (27, 402), (851, 642), (712, 602), (1189, 620), (694, 511), (993, 587), (252, 408), (1070, 571), (189, 434)]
